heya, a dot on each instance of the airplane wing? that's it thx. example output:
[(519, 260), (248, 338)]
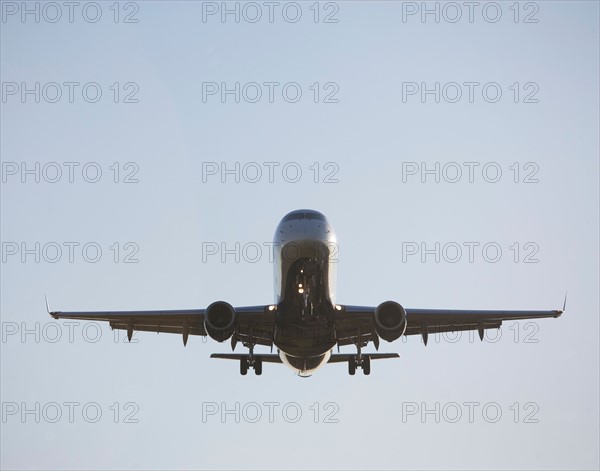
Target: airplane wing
[(357, 322), (251, 321)]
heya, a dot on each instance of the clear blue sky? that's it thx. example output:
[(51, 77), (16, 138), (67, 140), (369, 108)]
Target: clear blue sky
[(368, 61)]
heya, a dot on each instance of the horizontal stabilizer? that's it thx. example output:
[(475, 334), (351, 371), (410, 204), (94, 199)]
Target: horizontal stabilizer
[(235, 356), (341, 357)]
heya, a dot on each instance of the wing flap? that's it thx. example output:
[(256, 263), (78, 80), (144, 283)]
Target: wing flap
[(160, 329), (254, 324), (435, 321), (255, 327), (167, 321), (458, 316), (416, 329), (355, 323)]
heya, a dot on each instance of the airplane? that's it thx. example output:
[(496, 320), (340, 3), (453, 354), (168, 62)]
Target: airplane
[(305, 323)]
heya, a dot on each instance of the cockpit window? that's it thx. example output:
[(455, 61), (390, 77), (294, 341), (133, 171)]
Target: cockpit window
[(303, 214)]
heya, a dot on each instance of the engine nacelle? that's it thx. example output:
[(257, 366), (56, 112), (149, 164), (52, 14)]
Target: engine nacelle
[(390, 320), (219, 320)]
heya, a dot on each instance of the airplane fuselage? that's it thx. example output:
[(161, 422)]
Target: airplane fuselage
[(305, 260)]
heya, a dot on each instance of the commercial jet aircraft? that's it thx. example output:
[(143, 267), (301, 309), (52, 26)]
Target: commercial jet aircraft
[(305, 323)]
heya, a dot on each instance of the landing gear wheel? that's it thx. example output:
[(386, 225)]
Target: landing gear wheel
[(258, 366), (352, 366), (366, 365), (244, 366)]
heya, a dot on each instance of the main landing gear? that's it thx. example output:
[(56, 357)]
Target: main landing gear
[(250, 361), (359, 361)]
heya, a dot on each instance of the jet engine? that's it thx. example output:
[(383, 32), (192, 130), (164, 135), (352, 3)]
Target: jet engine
[(390, 320), (219, 320)]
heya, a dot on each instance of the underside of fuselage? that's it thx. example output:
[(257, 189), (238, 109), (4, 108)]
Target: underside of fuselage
[(304, 366), (304, 332), (304, 329)]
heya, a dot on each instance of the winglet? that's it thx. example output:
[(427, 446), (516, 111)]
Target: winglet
[(48, 307), (564, 308)]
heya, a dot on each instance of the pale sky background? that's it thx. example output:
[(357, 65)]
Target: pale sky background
[(368, 134)]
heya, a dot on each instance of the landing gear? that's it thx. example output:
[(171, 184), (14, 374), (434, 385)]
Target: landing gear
[(359, 361), (362, 361), (250, 361), (352, 366), (258, 366), (366, 365)]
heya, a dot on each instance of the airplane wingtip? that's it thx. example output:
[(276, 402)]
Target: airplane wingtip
[(565, 302), (53, 314), (564, 308)]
